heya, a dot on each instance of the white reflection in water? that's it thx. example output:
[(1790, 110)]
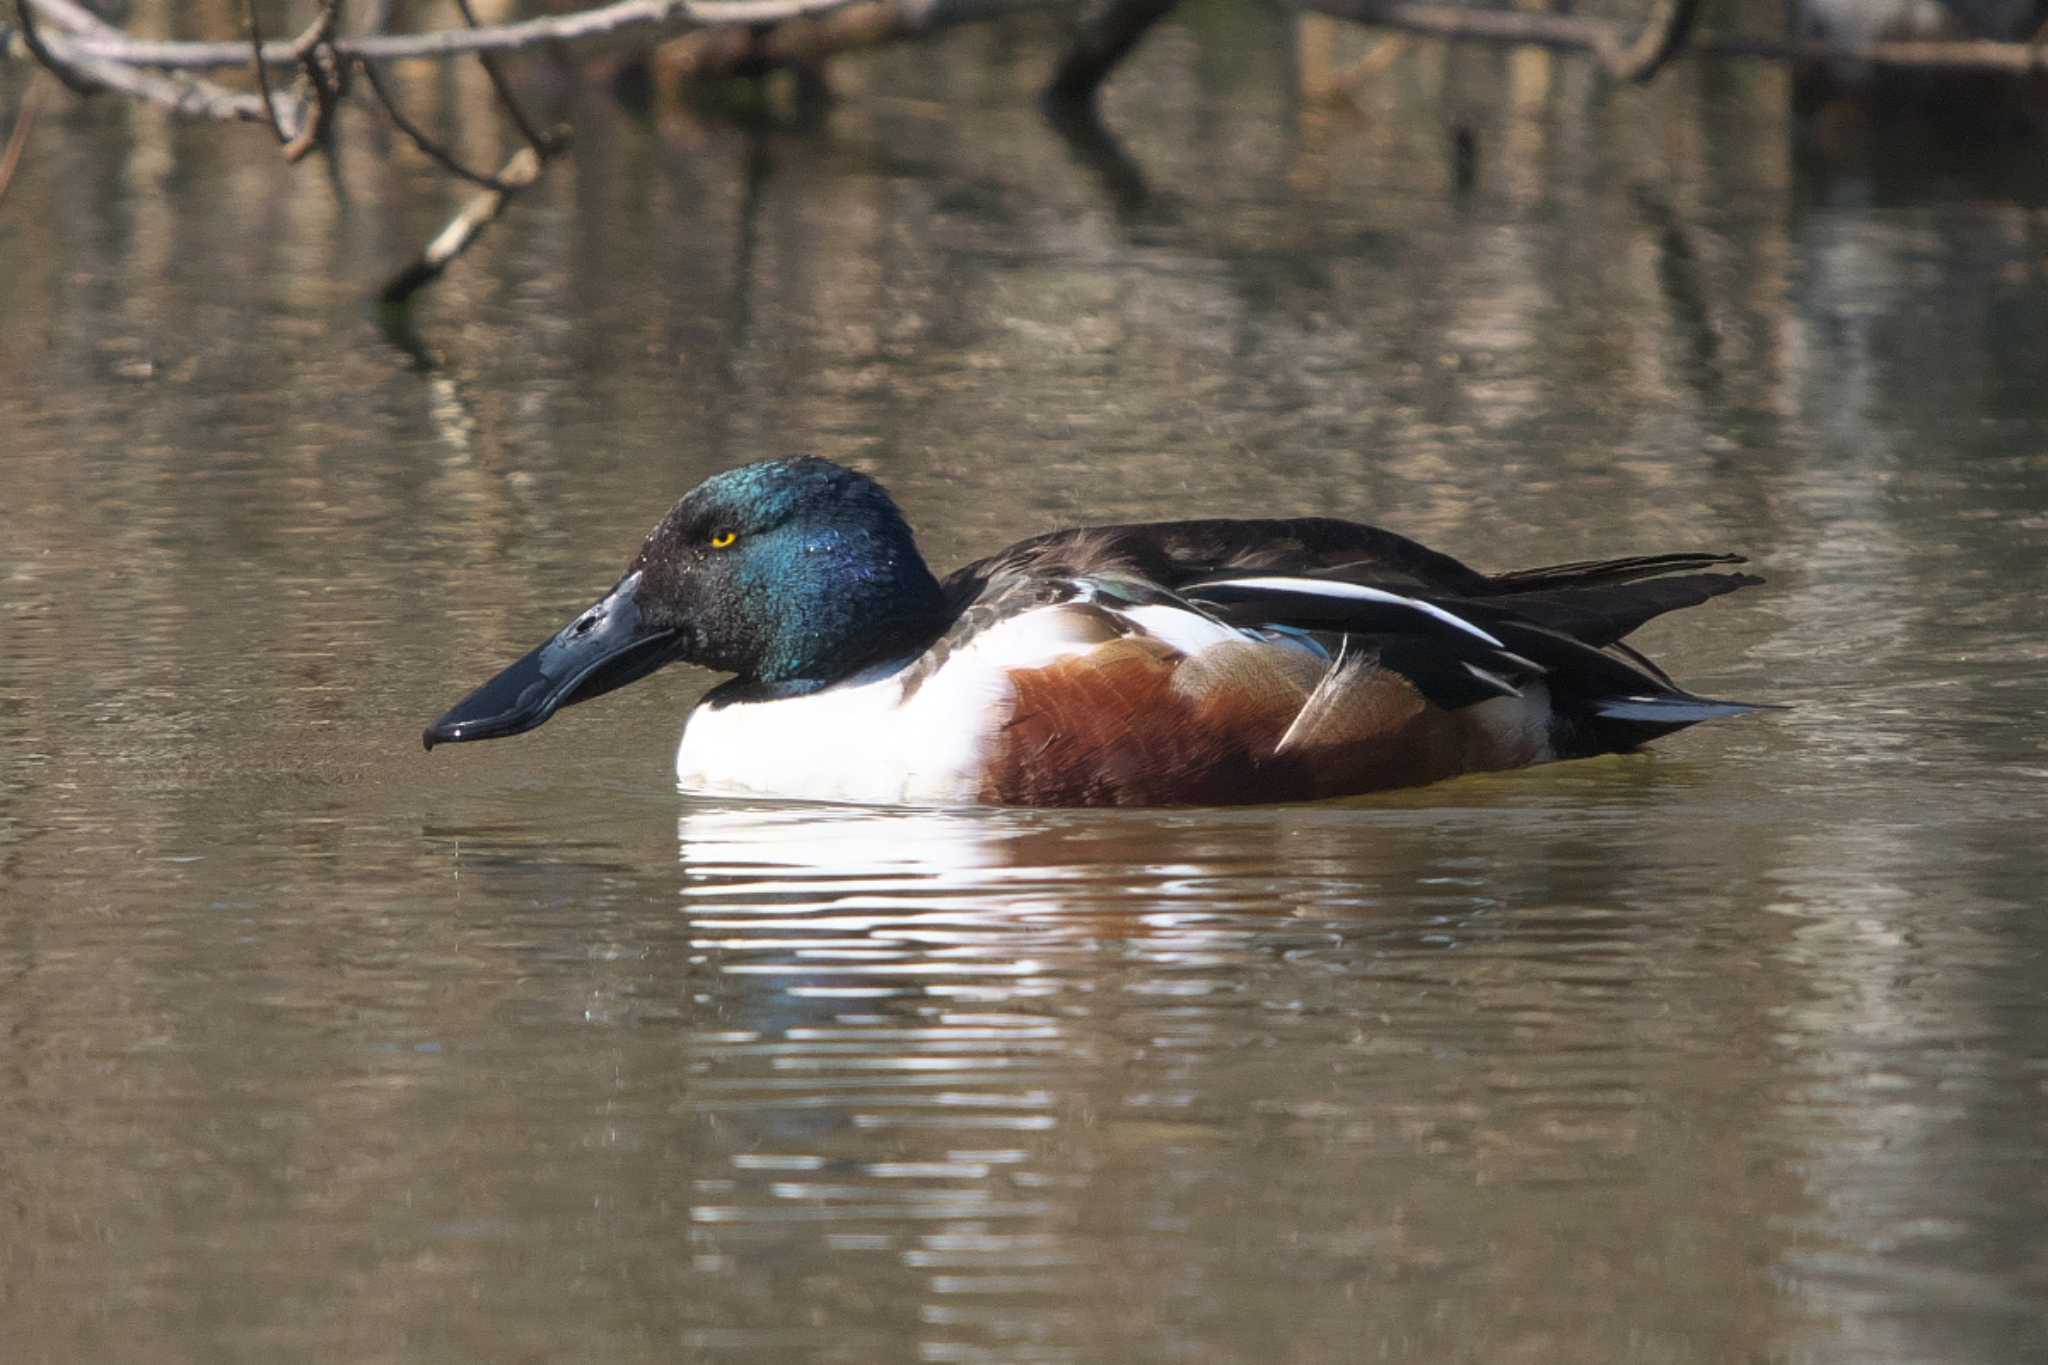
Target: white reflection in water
[(885, 1103), (852, 903)]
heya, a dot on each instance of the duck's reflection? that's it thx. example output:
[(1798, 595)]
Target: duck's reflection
[(1015, 1063), (743, 850), (924, 1037), (988, 907), (882, 1077)]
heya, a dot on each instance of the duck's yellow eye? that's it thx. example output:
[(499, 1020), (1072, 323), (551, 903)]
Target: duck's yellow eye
[(724, 539)]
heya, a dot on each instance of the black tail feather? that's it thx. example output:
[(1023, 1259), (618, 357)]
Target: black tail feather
[(1597, 612), (1586, 573)]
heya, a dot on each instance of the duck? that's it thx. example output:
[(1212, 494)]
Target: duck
[(1173, 663)]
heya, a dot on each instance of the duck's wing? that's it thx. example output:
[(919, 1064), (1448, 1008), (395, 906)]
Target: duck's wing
[(1595, 601), (1173, 554), (1459, 635)]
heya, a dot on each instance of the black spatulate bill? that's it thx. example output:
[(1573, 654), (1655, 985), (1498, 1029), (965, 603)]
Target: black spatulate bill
[(604, 648)]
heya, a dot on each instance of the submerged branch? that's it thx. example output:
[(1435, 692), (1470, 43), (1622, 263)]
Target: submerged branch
[(521, 171)]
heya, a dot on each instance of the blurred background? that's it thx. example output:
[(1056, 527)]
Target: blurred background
[(319, 1047)]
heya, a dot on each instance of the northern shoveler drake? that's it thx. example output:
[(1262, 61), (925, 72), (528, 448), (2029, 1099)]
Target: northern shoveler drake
[(1165, 663)]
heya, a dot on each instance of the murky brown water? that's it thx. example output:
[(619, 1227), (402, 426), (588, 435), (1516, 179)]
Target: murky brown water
[(317, 1047)]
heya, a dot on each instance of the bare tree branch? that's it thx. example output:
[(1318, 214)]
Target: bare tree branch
[(379, 13), (323, 78), (263, 76), (82, 73), (540, 142), (77, 84), (605, 20), (419, 138), (742, 32)]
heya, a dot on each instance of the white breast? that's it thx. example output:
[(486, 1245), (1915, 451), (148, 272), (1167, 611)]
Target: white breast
[(846, 743), (862, 742)]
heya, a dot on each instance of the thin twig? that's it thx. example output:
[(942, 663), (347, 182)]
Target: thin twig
[(263, 75), (521, 171), (17, 137), (379, 13), (539, 141), (325, 82), (419, 137)]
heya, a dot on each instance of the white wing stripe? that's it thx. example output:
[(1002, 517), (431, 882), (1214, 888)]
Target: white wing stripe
[(1350, 592)]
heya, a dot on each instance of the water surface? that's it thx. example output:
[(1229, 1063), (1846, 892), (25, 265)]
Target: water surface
[(319, 1047)]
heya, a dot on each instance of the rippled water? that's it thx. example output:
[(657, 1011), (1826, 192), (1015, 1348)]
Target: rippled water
[(319, 1047)]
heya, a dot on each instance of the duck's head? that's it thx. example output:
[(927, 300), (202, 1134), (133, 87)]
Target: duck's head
[(792, 574)]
